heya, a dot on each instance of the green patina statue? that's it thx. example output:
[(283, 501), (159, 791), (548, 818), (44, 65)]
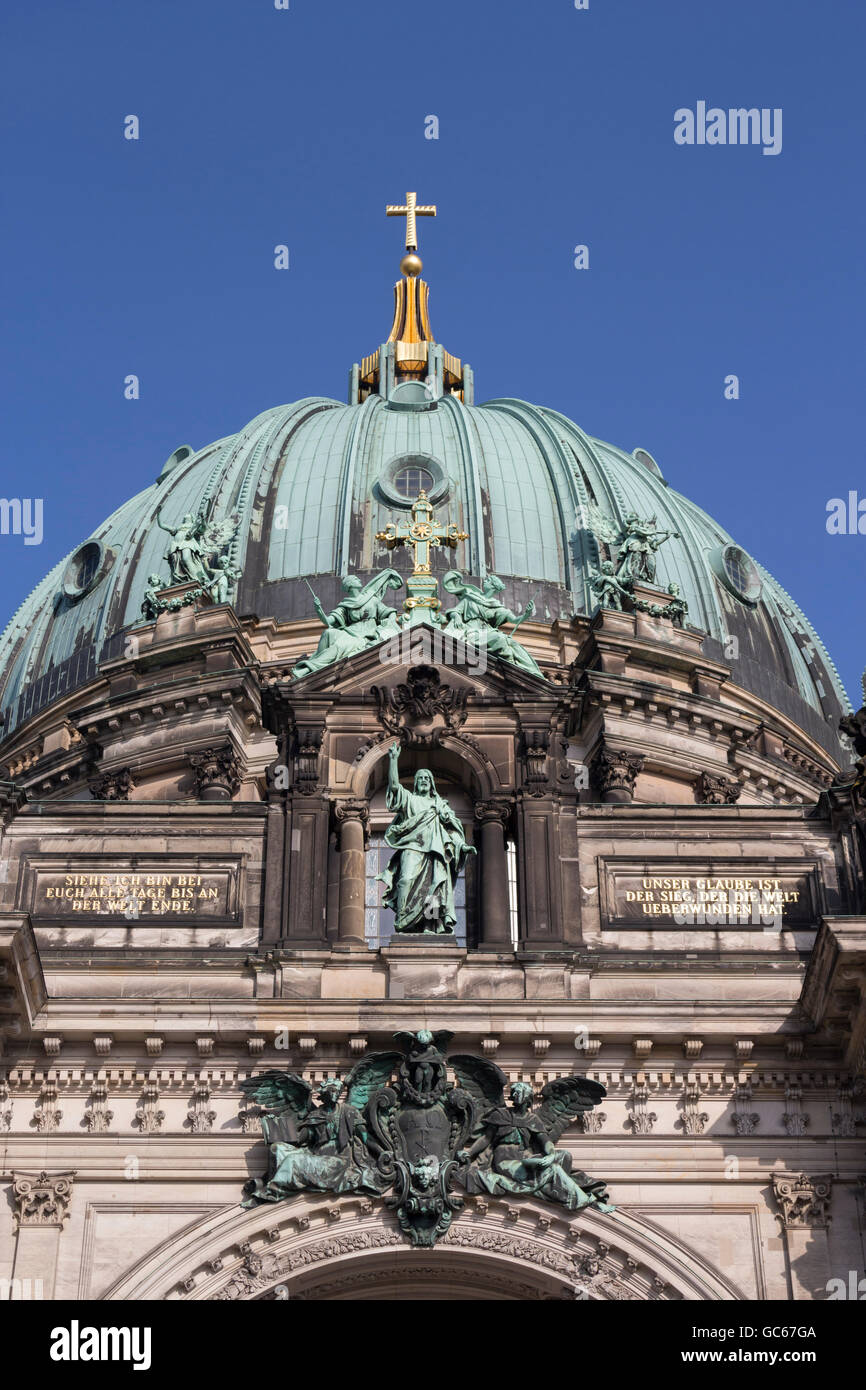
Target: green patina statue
[(398, 1127), (518, 1144), (676, 607), (637, 542), (430, 852), (194, 544), (609, 589), (322, 1147), (360, 620), (479, 616), (196, 557), (225, 577)]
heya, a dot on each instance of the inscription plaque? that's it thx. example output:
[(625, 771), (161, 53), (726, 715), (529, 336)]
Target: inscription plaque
[(682, 896), (141, 892)]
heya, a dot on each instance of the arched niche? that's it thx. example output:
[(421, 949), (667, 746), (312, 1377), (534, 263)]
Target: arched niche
[(454, 758)]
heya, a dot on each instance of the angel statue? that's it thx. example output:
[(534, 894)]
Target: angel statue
[(479, 616), (360, 620), (608, 588), (192, 545), (225, 577), (150, 606), (326, 1147), (430, 852), (517, 1146), (637, 542)]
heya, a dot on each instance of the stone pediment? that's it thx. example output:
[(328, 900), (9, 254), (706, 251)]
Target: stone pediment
[(388, 663)]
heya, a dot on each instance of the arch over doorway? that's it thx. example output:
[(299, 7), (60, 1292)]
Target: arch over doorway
[(318, 1248)]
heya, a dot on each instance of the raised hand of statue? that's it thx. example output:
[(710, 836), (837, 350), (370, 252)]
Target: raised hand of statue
[(394, 751), (529, 610)]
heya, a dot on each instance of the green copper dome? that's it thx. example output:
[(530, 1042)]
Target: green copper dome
[(314, 481)]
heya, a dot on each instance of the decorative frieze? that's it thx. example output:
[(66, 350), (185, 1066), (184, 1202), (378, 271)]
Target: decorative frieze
[(794, 1118), (693, 1120), (47, 1115), (641, 1119), (591, 1121), (744, 1120), (150, 1117), (97, 1118), (200, 1118)]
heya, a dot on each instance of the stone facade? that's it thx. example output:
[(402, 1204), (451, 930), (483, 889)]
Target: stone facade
[(185, 901)]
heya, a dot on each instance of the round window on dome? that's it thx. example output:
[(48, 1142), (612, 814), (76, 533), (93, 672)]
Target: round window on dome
[(404, 477), (84, 570), (738, 572), (410, 481)]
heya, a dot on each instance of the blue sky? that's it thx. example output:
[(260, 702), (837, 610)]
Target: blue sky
[(260, 126)]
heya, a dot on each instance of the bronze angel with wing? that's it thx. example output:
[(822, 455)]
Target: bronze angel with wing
[(324, 1147), (514, 1149), (196, 544)]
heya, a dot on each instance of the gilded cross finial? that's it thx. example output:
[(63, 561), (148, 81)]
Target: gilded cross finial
[(410, 210), (422, 534)]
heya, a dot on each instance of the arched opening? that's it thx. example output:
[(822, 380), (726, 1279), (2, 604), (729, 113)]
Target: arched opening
[(458, 785)]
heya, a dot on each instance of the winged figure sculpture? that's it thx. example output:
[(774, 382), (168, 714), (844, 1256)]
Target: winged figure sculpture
[(514, 1146), (325, 1147)]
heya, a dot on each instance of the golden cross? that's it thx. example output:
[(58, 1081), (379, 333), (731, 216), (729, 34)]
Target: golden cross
[(423, 532), (410, 210)]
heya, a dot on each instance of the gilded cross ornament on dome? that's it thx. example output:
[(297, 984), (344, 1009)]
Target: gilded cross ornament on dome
[(411, 353), (411, 263), (422, 534)]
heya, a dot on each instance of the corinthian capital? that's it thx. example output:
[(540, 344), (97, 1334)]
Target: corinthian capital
[(43, 1199)]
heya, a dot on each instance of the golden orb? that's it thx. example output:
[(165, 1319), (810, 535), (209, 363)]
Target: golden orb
[(411, 264)]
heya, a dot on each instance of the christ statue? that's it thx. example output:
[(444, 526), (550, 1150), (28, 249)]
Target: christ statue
[(430, 852)]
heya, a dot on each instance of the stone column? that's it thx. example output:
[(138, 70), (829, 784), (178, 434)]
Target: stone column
[(353, 819), (803, 1208), (41, 1207), (495, 916)]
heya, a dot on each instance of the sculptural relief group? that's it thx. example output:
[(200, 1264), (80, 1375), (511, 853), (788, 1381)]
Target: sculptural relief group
[(399, 1128)]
